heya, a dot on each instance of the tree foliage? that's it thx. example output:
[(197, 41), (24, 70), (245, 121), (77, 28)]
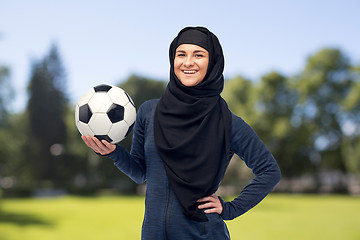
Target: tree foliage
[(278, 127), (323, 86), (6, 94), (240, 96), (304, 119), (141, 89), (46, 108)]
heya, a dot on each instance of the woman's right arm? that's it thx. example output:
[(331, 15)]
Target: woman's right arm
[(132, 164)]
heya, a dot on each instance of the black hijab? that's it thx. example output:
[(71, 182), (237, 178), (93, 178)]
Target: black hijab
[(192, 126)]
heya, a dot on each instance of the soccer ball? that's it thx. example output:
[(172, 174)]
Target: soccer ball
[(106, 112)]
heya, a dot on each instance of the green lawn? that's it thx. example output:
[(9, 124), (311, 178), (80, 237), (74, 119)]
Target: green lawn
[(277, 217)]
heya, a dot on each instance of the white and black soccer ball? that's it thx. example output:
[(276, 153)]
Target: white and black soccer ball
[(106, 112)]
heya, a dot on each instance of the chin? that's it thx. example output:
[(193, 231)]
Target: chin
[(190, 83)]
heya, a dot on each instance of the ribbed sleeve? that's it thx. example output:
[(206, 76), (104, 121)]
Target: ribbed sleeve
[(247, 145), (133, 164)]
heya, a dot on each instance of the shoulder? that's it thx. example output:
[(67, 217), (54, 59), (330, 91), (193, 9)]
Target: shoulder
[(146, 110), (240, 129), (148, 106), (237, 122)]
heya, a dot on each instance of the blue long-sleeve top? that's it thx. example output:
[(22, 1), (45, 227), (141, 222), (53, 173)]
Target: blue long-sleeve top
[(163, 213)]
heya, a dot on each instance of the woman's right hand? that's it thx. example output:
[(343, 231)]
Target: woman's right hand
[(102, 147)]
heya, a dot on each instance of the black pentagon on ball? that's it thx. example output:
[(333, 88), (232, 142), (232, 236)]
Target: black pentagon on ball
[(129, 130), (116, 113), (130, 100), (102, 88), (85, 113), (104, 137)]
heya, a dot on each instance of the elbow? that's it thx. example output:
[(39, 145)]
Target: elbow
[(140, 179)]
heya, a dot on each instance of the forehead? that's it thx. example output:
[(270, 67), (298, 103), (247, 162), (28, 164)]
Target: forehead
[(190, 48)]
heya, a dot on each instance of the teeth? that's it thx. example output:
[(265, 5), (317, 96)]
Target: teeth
[(189, 72)]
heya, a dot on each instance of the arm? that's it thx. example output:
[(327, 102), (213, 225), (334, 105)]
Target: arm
[(132, 164), (247, 145)]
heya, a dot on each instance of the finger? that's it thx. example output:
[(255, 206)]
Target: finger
[(99, 144), (213, 210), (92, 144), (211, 207), (103, 149), (207, 205), (104, 146), (111, 147), (107, 144), (84, 138), (88, 141), (206, 199)]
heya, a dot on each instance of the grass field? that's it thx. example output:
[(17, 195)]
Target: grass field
[(285, 217)]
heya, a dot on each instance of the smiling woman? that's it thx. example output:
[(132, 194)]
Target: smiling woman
[(191, 64), (182, 145)]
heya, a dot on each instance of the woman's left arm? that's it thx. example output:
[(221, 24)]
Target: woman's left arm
[(247, 145)]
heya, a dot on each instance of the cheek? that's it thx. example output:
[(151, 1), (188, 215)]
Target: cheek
[(176, 69), (177, 63), (204, 67)]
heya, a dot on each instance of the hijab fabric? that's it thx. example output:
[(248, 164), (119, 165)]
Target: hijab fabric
[(192, 126)]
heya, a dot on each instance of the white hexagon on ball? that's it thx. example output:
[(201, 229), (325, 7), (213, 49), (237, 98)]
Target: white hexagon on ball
[(118, 96), (100, 102), (84, 129), (129, 114), (118, 131), (100, 124), (86, 97)]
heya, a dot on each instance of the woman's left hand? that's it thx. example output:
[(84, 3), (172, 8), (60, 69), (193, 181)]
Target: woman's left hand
[(212, 204)]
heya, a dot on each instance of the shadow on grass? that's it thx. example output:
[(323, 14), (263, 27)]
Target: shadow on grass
[(22, 219)]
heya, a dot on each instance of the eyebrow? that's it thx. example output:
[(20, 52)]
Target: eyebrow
[(196, 51)]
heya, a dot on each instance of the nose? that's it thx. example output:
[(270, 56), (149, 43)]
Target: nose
[(188, 62)]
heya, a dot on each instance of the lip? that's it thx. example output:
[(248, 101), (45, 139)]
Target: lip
[(189, 72)]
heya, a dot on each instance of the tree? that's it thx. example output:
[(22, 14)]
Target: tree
[(46, 110), (14, 170), (351, 140), (6, 94), (278, 126), (14, 164), (141, 89), (240, 96), (323, 86)]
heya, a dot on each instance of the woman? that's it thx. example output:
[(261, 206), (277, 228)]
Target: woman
[(182, 145)]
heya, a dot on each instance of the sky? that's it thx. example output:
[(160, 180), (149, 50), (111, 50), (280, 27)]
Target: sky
[(106, 41)]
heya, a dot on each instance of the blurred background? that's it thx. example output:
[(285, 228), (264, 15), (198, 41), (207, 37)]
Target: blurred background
[(292, 73)]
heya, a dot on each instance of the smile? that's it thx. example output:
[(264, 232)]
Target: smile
[(189, 71)]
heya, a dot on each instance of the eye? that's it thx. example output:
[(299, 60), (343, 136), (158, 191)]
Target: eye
[(199, 55), (180, 55)]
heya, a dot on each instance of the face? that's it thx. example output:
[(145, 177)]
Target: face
[(190, 64)]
